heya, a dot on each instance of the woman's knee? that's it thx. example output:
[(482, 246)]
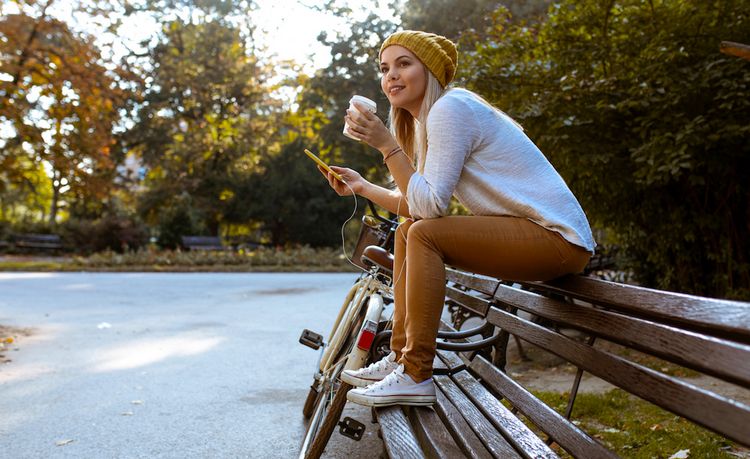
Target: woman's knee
[(402, 231), (422, 231)]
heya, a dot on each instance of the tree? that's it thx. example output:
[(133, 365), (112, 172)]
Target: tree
[(646, 120), (454, 18), (60, 103), (205, 117)]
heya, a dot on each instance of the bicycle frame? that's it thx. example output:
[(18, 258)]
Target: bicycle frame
[(367, 289), (348, 345)]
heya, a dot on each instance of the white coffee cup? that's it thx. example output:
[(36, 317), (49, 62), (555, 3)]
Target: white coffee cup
[(371, 107)]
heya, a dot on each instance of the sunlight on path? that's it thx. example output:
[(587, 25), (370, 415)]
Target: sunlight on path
[(147, 352)]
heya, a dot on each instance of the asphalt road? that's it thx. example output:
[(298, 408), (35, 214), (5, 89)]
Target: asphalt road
[(173, 365)]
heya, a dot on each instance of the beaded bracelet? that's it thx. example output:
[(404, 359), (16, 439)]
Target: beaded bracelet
[(391, 153)]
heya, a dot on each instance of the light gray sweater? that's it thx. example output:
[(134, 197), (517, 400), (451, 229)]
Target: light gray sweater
[(482, 157)]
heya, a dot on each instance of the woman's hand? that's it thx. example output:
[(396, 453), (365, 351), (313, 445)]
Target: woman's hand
[(366, 126), (351, 177)]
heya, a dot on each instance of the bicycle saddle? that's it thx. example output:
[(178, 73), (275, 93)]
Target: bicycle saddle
[(374, 255)]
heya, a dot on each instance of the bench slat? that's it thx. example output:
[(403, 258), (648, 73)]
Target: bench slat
[(398, 436), (512, 428), (472, 303), (713, 356), (451, 361), (495, 443), (439, 367), (433, 435), (721, 317), (574, 440), (464, 436), (476, 282), (710, 410)]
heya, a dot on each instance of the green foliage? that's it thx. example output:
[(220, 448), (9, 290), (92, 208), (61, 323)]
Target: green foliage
[(646, 121), (205, 119), (293, 200), (262, 259), (118, 233), (634, 428), (179, 218), (454, 18), (448, 18)]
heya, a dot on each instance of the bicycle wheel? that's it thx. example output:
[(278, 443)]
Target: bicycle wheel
[(332, 398), (311, 401), (330, 423), (313, 396)]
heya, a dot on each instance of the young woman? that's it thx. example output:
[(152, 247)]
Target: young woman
[(525, 222)]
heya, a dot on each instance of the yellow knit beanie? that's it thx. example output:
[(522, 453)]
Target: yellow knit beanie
[(436, 52)]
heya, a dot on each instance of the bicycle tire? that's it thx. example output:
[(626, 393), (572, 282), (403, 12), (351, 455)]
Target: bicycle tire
[(329, 423), (330, 420), (313, 396), (316, 420), (310, 402)]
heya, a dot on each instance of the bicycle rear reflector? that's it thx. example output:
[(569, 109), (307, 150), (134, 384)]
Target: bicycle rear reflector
[(311, 339), (367, 335)]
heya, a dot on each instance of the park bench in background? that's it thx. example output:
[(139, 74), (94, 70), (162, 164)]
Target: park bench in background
[(629, 336), (35, 242), (202, 243)]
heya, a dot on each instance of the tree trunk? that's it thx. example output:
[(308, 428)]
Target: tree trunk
[(55, 198)]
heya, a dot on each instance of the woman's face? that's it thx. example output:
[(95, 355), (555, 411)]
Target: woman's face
[(404, 78)]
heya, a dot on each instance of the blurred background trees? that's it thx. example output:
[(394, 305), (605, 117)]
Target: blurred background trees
[(193, 131)]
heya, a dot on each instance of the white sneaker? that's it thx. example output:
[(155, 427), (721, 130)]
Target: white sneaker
[(371, 374), (395, 389)]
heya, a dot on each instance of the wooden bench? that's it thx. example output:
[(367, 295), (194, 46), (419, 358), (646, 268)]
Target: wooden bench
[(202, 243), (626, 335), (33, 242)]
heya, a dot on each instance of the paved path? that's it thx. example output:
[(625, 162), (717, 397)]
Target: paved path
[(164, 365)]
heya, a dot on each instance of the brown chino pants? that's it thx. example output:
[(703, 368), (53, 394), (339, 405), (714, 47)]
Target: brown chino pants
[(509, 248)]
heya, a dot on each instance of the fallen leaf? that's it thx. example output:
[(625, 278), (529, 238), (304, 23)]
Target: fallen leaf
[(64, 442), (681, 454), (9, 339)]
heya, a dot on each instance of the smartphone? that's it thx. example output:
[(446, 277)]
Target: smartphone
[(322, 164)]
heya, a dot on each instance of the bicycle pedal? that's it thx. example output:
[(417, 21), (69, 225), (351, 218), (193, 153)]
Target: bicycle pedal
[(352, 428), (311, 339)]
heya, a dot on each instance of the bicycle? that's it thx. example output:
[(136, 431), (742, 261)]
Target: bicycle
[(361, 334), (350, 344)]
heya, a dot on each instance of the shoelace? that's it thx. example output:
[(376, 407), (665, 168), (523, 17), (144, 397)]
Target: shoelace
[(377, 366), (388, 380)]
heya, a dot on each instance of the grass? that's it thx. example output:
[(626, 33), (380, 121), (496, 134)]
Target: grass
[(263, 259), (633, 428)]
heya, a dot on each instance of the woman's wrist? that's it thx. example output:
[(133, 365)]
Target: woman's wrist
[(387, 148), (395, 151), (361, 188)]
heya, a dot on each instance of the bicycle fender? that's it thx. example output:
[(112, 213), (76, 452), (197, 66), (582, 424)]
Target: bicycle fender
[(358, 357)]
